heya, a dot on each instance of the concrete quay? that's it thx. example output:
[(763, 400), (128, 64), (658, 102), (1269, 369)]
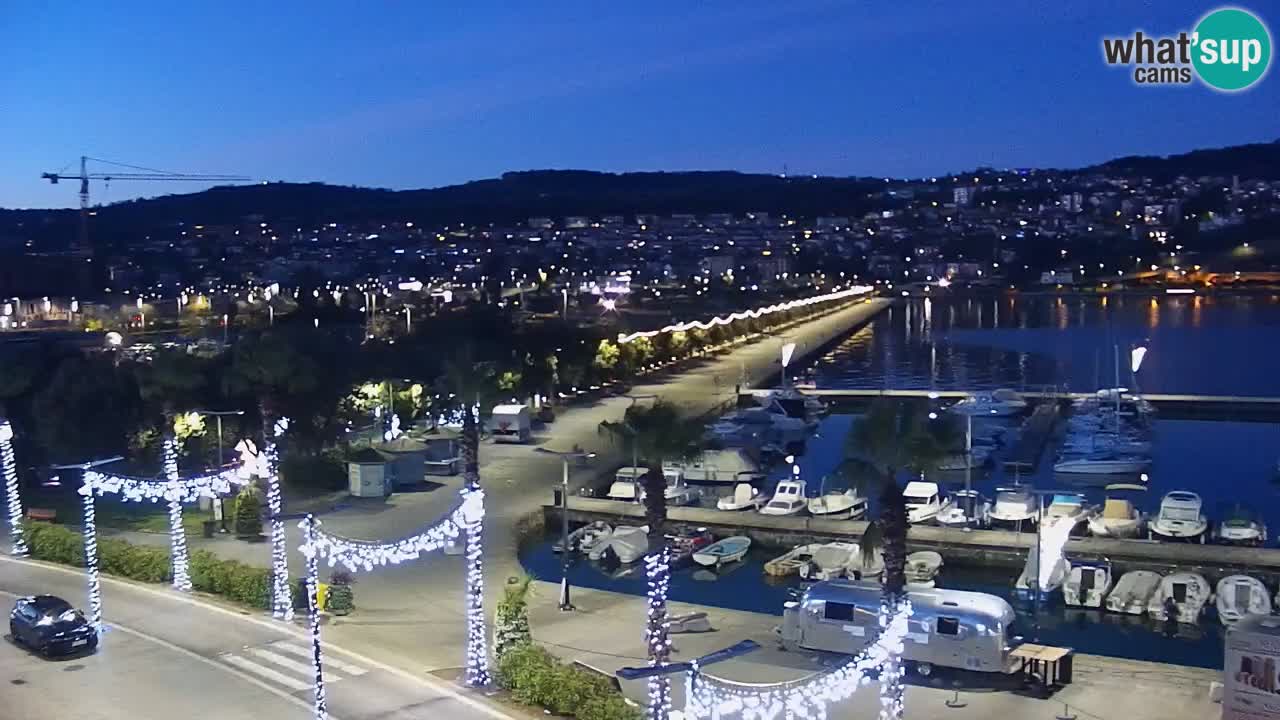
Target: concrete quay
[(1001, 548)]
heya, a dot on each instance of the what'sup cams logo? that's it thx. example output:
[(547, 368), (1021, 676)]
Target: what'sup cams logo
[(1229, 50)]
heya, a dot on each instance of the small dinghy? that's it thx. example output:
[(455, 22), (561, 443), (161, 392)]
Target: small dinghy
[(1241, 595), (922, 567), (585, 538), (790, 562), (829, 561), (1133, 591), (744, 497), (968, 509), (1087, 584), (1181, 597), (864, 568), (628, 542), (730, 549)]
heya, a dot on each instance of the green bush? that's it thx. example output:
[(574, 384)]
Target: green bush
[(249, 512), (227, 578), (341, 599), (535, 677), (317, 472)]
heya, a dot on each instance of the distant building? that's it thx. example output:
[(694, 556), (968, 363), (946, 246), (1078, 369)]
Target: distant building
[(832, 222), (1072, 202), (576, 222), (759, 217), (717, 265), (1056, 277), (963, 195), (720, 219), (541, 223)]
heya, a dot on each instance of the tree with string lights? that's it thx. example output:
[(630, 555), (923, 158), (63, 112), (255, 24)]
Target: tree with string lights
[(656, 434)]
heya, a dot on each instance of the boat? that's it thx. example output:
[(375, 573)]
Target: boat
[(745, 497), (789, 563), (1181, 597), (1028, 581), (774, 422), (974, 459), (628, 542), (796, 403), (1241, 527), (847, 504), (730, 549), (1119, 518), (788, 499), (1101, 463), (585, 538), (922, 568), (968, 509), (924, 501), (999, 403), (1241, 595), (1087, 584), (1087, 442), (628, 485), (733, 465), (1067, 508), (1015, 505), (684, 543), (861, 567), (828, 561), (1180, 518), (1133, 591)]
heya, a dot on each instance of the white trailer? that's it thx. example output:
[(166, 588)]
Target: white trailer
[(1252, 659), (511, 423)]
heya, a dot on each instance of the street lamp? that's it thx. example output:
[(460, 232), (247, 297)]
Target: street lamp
[(219, 509), (565, 457)]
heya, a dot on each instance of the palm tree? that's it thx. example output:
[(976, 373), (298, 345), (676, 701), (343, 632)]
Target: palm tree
[(467, 383), (656, 434), (892, 436)]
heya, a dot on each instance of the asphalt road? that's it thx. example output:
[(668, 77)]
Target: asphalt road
[(167, 656)]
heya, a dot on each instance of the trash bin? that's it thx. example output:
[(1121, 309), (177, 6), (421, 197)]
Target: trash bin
[(209, 527)]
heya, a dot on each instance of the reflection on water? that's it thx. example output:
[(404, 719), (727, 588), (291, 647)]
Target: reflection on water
[(1213, 345)]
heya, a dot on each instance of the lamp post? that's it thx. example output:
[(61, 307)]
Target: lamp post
[(565, 457), (219, 506)]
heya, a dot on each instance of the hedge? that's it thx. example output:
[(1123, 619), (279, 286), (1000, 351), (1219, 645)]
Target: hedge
[(535, 677), (227, 578)]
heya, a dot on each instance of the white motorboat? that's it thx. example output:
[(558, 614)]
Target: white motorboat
[(745, 497), (922, 568), (1240, 595), (585, 538), (1241, 527), (974, 459), (829, 561), (1091, 442), (847, 504), (924, 501), (1087, 585), (1068, 508), (788, 499), (1133, 592), (1181, 517), (789, 397), (999, 403), (730, 549), (1101, 463), (777, 425), (1028, 581), (628, 485), (790, 562), (1119, 518), (1015, 505), (628, 542), (864, 568), (1181, 596), (732, 465), (968, 508)]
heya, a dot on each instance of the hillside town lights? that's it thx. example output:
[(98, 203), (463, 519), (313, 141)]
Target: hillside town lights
[(760, 312)]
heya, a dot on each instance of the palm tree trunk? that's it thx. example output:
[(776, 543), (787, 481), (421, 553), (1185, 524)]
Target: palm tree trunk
[(477, 653), (177, 532), (281, 597), (893, 519), (657, 562)]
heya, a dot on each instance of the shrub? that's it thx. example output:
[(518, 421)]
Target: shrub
[(230, 579), (324, 471), (512, 617), (249, 513), (535, 677), (341, 599)]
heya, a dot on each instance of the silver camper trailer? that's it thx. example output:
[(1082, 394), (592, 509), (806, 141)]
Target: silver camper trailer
[(948, 628)]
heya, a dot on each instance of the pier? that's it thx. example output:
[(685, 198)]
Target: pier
[(1001, 548)]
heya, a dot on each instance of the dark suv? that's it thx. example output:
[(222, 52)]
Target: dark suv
[(51, 626)]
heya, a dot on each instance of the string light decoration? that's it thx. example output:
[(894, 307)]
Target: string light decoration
[(13, 500), (747, 314), (808, 697), (313, 613), (364, 555), (91, 558), (477, 642), (281, 599), (657, 569), (177, 533)]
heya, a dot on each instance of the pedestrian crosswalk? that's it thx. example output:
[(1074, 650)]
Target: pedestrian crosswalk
[(287, 663)]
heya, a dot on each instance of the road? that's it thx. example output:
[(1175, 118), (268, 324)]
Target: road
[(165, 655)]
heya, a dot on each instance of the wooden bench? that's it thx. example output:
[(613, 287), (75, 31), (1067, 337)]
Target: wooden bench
[(44, 514)]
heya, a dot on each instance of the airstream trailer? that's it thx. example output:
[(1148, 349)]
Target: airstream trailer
[(948, 628)]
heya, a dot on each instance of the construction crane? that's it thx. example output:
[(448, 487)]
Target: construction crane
[(145, 174)]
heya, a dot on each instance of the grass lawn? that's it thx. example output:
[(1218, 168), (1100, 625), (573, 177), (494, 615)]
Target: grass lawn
[(112, 513)]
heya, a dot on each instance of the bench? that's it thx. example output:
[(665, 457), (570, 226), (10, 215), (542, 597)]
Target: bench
[(43, 514)]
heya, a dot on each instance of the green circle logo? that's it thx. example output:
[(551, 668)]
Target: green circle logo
[(1232, 49)]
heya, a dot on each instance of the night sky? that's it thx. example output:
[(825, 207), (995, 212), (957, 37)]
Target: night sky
[(402, 94)]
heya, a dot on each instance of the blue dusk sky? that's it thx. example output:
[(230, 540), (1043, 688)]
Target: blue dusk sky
[(422, 94)]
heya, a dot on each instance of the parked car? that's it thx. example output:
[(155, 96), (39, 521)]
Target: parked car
[(49, 625)]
